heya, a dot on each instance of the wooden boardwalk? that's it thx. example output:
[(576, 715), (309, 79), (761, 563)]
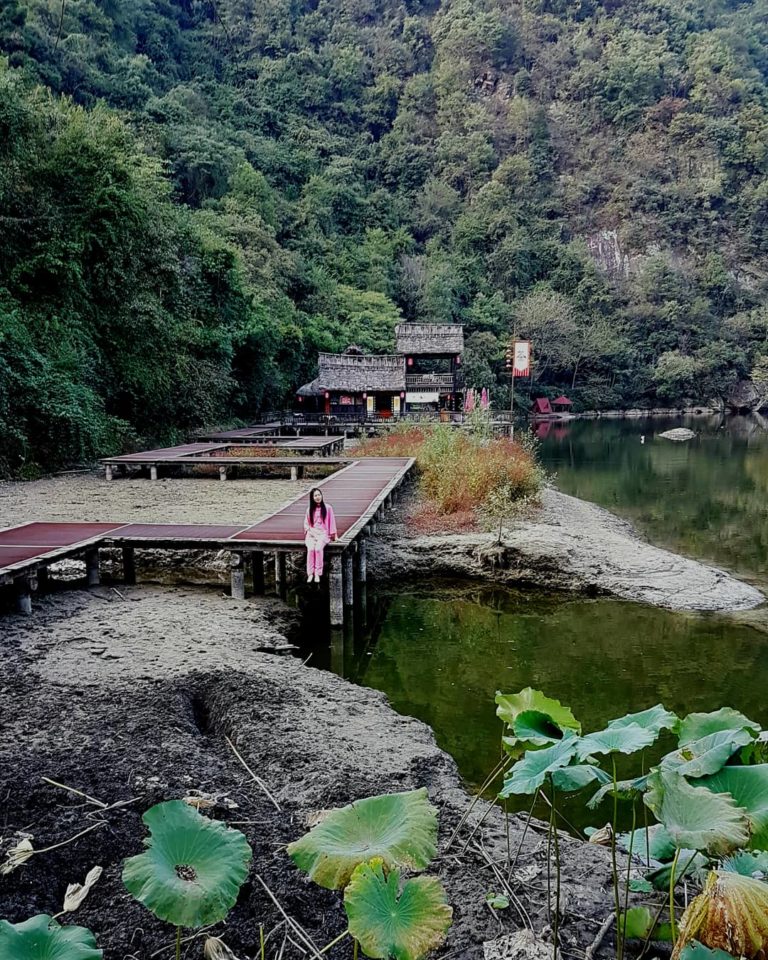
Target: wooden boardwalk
[(210, 453), (359, 493)]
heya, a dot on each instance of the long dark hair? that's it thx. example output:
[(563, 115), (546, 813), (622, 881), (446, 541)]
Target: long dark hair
[(313, 506)]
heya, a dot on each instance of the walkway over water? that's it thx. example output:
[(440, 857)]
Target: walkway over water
[(359, 492)]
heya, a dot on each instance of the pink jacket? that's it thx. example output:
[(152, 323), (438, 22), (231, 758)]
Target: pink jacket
[(329, 525)]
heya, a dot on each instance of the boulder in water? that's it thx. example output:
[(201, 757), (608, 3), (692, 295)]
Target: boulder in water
[(743, 397), (679, 433)]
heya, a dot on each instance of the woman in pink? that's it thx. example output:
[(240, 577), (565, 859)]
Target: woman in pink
[(319, 529)]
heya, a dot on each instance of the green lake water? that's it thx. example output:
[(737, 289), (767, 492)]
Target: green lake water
[(441, 651)]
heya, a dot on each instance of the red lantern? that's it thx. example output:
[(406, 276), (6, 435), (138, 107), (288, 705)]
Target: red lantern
[(327, 394), (458, 361), (365, 396), (410, 361), (402, 394)]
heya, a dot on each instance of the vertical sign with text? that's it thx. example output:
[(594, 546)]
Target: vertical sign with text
[(521, 358)]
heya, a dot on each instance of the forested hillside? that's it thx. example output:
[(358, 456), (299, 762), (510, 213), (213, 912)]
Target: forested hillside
[(196, 196)]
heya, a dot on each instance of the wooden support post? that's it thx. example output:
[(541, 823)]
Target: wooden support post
[(153, 471), (24, 595), (257, 562), (129, 566), (279, 571), (362, 559), (108, 471), (300, 470), (336, 590), (238, 575), (222, 472), (294, 474), (349, 583), (42, 579), (92, 566)]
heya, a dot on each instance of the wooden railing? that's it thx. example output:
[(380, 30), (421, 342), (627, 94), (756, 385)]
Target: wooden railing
[(431, 381)]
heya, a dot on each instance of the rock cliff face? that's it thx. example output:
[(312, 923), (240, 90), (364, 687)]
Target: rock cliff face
[(567, 545), (743, 397)]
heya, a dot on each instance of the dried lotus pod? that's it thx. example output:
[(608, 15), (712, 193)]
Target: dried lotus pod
[(731, 914), (603, 836)]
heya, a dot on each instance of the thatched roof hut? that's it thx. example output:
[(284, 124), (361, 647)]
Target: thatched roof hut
[(430, 339), (356, 373)]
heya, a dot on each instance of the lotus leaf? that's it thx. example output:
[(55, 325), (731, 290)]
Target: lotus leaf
[(698, 725), (401, 828), (528, 774), (747, 864), (41, 938), (570, 779), (655, 719), (627, 739), (538, 728), (638, 923), (730, 914), (690, 863), (699, 758), (749, 788), (193, 868), (510, 705), (695, 817), (390, 921), (624, 790), (659, 843), (695, 951)]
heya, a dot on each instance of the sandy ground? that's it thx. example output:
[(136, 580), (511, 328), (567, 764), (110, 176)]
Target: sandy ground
[(89, 497)]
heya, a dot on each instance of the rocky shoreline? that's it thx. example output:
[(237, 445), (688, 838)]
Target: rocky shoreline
[(565, 544)]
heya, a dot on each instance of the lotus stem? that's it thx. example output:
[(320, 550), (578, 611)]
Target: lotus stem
[(354, 955), (332, 944), (645, 817), (178, 943), (629, 870), (614, 868), (262, 944), (525, 831), (672, 895), (553, 826), (506, 823)]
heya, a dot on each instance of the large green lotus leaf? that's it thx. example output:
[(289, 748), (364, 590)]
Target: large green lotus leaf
[(695, 817), (193, 867), (528, 774), (658, 842), (510, 705), (655, 719), (698, 725), (627, 739), (624, 790), (749, 788), (570, 779), (400, 828), (700, 758), (747, 864), (392, 922), (538, 728), (41, 938), (730, 914)]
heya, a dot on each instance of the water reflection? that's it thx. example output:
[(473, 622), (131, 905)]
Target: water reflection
[(706, 497)]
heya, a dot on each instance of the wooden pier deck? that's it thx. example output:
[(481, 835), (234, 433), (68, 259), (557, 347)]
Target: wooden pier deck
[(359, 493), (206, 453)]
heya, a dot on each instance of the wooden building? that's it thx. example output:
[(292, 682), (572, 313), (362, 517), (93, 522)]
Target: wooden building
[(423, 376)]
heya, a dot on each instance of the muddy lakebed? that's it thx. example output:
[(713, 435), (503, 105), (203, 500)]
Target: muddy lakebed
[(131, 695)]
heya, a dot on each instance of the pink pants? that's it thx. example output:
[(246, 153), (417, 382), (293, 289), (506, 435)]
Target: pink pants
[(315, 562), (315, 546)]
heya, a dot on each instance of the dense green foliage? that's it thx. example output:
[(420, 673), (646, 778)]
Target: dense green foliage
[(226, 187)]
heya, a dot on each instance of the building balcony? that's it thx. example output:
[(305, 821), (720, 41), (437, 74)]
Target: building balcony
[(425, 382)]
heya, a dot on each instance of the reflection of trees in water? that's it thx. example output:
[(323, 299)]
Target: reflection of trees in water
[(443, 661), (704, 497)]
